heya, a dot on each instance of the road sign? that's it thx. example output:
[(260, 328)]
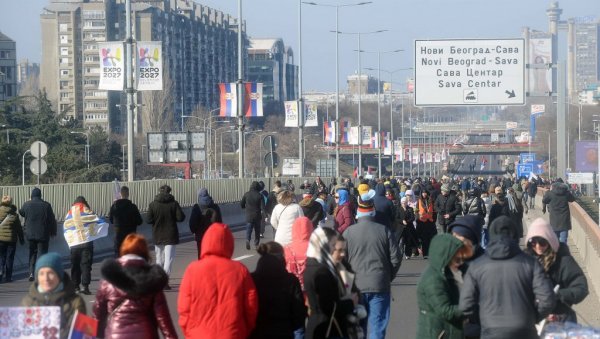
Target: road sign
[(469, 72), (38, 166), (269, 141), (512, 125), (524, 170), (38, 149), (291, 166), (580, 178), (268, 159), (526, 157)]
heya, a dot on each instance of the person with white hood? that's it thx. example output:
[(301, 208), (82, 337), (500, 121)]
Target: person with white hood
[(560, 267), (284, 214)]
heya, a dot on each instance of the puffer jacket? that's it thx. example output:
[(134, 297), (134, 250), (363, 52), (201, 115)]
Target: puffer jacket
[(283, 218), (385, 211), (295, 252), (10, 225), (66, 299), (437, 293), (130, 301), (474, 205), (40, 221), (558, 199), (164, 213), (253, 202), (217, 297)]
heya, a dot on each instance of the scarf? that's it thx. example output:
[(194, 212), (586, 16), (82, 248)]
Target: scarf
[(512, 206), (318, 248)]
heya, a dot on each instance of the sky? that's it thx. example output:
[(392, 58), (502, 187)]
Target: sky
[(405, 20)]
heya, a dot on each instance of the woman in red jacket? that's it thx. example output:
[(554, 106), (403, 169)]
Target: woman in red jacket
[(343, 217), (217, 297), (130, 301)]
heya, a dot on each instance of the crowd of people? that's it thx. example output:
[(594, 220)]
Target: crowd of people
[(329, 269)]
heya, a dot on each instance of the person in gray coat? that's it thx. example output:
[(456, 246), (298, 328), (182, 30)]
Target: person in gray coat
[(557, 201), (40, 225), (507, 286), (374, 257)]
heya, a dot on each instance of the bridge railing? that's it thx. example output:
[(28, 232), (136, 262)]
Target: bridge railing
[(101, 195)]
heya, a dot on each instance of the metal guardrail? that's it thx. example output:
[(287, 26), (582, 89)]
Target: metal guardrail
[(101, 195)]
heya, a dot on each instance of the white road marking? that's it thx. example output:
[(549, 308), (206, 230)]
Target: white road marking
[(243, 257)]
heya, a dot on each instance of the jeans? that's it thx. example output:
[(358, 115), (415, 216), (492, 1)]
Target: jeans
[(299, 333), (164, 256), (562, 236), (378, 310), (37, 248), (254, 225), (531, 201), (7, 257), (485, 238), (82, 257)]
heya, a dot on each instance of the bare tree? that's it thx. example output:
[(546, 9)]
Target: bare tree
[(157, 110)]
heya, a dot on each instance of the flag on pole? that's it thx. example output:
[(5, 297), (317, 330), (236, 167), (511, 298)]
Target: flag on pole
[(329, 131), (387, 144), (83, 327), (375, 140), (253, 99), (116, 190), (344, 131), (228, 100)]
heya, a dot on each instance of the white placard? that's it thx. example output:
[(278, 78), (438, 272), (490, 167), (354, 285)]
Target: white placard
[(310, 115), (291, 166), (537, 109), (291, 113), (512, 125), (367, 132), (149, 66), (112, 66), (30, 322), (580, 178), (353, 136), (469, 72)]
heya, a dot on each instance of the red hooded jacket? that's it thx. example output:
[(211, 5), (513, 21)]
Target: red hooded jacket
[(217, 297), (295, 252)]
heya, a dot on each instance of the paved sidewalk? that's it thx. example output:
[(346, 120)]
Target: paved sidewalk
[(588, 310)]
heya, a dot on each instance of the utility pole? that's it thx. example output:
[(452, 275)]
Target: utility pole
[(130, 92)]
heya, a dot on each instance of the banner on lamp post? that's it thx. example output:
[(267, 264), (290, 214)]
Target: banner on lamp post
[(149, 66), (353, 139), (366, 135), (112, 70), (291, 114), (310, 116)]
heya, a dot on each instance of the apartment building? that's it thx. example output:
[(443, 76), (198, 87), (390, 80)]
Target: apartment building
[(8, 68)]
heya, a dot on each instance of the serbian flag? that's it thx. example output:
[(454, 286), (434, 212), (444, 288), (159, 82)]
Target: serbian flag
[(329, 131), (387, 144), (253, 103), (82, 225), (83, 327), (228, 100), (375, 140), (345, 132), (355, 173)]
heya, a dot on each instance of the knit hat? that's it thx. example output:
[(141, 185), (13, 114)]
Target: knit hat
[(503, 226), (468, 226), (363, 188), (307, 194), (498, 190), (541, 228), (366, 205), (445, 188), (51, 260)]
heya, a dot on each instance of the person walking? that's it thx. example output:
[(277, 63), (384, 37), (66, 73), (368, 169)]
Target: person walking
[(284, 215), (506, 288), (40, 225), (281, 309), (561, 268), (557, 199), (374, 257), (82, 255), (532, 192), (426, 229), (53, 287), (447, 207), (342, 214), (438, 290), (125, 218), (311, 208), (131, 286), (325, 288), (254, 204), (409, 233), (217, 297), (384, 207), (164, 213), (10, 232), (204, 213)]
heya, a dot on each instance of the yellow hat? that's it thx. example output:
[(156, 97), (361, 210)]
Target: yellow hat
[(363, 188)]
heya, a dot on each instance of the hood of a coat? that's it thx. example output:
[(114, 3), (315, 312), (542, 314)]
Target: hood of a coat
[(218, 241), (134, 276), (380, 190), (560, 188), (255, 186), (443, 247), (541, 228), (306, 202), (204, 199), (36, 193), (302, 229), (164, 198), (473, 222), (502, 248)]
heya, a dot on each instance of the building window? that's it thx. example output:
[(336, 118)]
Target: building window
[(64, 39), (63, 27), (64, 72), (64, 60), (64, 51)]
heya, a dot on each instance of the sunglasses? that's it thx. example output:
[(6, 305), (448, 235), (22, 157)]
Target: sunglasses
[(540, 241), (337, 197)]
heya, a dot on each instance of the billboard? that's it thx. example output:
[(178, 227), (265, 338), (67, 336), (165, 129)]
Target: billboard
[(465, 72), (540, 52), (586, 156)]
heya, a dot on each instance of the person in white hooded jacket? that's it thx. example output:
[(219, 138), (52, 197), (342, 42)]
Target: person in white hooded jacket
[(283, 216)]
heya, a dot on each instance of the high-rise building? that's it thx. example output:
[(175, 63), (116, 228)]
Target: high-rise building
[(8, 68), (367, 83), (26, 71), (199, 50), (587, 52), (271, 63)]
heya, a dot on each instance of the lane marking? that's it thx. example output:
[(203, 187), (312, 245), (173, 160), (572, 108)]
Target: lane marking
[(243, 257)]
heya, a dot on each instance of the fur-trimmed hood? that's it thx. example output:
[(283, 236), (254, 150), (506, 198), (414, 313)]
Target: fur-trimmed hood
[(134, 275)]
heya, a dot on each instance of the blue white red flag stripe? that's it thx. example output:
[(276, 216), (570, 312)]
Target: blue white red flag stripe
[(329, 131), (228, 100), (253, 102)]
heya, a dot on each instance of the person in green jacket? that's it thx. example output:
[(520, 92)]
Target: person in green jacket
[(438, 290), (10, 232)]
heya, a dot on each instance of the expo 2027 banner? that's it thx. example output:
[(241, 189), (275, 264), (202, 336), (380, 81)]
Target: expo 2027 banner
[(149, 66)]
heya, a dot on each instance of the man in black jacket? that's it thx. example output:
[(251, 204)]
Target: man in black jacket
[(447, 207), (40, 225), (558, 199), (164, 213), (125, 218), (509, 287), (254, 203)]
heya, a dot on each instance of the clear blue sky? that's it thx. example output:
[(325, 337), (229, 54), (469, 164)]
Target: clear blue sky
[(406, 21)]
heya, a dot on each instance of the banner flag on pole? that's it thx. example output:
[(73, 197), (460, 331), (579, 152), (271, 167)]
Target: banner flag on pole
[(375, 140), (398, 150), (228, 100), (253, 102), (387, 144), (438, 157), (428, 157), (112, 70), (414, 157), (367, 132), (353, 138), (83, 327), (149, 66), (329, 131), (291, 113), (345, 131), (311, 115)]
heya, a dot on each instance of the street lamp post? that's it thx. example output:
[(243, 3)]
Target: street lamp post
[(7, 135), (549, 153), (123, 160), (87, 146), (23, 164), (337, 78)]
